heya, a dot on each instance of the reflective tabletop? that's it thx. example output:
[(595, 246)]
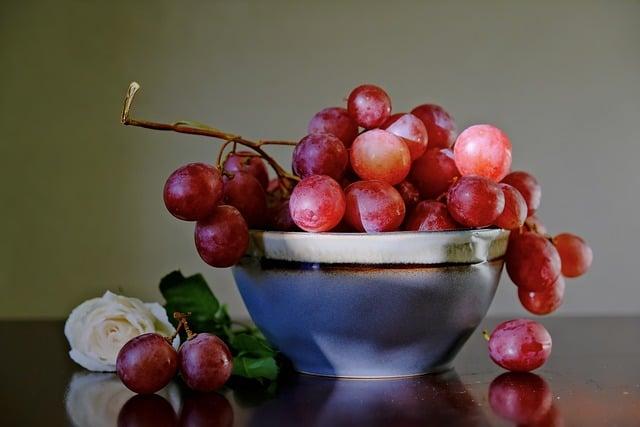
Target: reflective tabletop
[(591, 379)]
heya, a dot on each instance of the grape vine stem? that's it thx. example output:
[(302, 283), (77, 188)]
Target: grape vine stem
[(195, 128)]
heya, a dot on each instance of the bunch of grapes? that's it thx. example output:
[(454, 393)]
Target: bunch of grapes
[(363, 169), (147, 363)]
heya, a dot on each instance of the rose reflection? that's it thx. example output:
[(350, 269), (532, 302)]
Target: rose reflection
[(524, 398), (427, 400), (96, 399)]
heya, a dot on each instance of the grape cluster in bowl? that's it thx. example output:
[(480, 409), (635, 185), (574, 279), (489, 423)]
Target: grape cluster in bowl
[(363, 169)]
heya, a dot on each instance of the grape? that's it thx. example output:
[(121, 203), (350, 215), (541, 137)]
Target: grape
[(205, 410), (575, 254), (223, 237), (515, 209), (523, 398), (373, 206), (430, 215), (320, 154), (192, 191), (205, 362), (378, 154), (534, 224), (532, 261), (336, 121), (411, 130), (409, 193), (369, 106), (434, 172), (280, 217), (244, 192), (146, 363), (520, 345), (246, 161), (317, 203), (528, 186), (483, 150), (147, 410), (545, 302), (440, 126), (474, 201)]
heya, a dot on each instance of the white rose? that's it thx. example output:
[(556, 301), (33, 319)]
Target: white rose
[(98, 328)]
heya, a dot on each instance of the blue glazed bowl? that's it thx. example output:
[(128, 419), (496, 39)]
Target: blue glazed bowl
[(370, 305)]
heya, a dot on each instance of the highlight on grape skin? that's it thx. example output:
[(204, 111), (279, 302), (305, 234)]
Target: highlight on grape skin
[(317, 204), (369, 106), (440, 125), (336, 121), (192, 191), (483, 150), (520, 345), (411, 130), (378, 154), (373, 206)]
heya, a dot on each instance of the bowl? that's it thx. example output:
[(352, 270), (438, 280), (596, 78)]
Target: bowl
[(370, 305)]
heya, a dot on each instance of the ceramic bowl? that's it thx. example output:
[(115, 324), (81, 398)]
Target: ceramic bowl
[(370, 305)]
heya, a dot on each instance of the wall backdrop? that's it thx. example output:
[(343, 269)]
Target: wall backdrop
[(82, 210)]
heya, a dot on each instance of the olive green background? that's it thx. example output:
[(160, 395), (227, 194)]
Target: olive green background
[(81, 206)]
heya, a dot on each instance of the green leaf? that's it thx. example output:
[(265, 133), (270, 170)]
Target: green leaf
[(252, 345), (192, 294), (252, 367)]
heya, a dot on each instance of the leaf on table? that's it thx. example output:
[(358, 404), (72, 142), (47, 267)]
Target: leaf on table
[(257, 368), (192, 294)]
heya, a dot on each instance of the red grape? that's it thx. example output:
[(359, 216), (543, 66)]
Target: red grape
[(523, 398), (528, 186), (575, 254), (192, 191), (534, 224), (430, 215), (545, 302), (520, 345), (246, 161), (317, 203), (378, 154), (474, 201), (411, 130), (373, 206), (532, 261), (223, 237), (146, 363), (205, 362), (409, 193), (244, 192), (320, 154), (280, 217), (147, 410), (434, 172), (369, 106), (441, 127), (336, 121), (483, 150), (515, 209)]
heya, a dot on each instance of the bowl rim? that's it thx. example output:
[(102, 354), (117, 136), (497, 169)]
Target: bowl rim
[(464, 246)]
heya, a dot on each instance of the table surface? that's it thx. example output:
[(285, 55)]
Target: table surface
[(591, 379)]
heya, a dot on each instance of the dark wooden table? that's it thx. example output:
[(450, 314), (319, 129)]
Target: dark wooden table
[(591, 379)]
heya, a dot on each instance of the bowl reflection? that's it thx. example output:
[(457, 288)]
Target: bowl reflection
[(439, 399)]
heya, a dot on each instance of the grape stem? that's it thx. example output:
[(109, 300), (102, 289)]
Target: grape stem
[(194, 128), (485, 335), (182, 322)]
